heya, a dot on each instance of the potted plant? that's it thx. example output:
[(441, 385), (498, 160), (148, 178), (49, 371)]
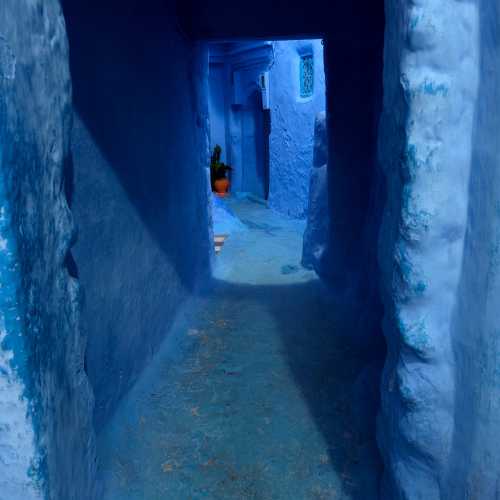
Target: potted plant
[(218, 173)]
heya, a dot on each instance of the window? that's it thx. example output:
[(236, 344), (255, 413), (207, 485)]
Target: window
[(306, 76)]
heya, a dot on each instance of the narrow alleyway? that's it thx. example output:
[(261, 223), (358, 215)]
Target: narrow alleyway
[(258, 391)]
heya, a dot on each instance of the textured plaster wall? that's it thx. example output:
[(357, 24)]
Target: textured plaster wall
[(316, 233), (46, 439), (292, 126), (140, 150), (438, 251), (475, 462)]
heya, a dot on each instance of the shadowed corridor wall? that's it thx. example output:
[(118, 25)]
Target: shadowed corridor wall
[(139, 155)]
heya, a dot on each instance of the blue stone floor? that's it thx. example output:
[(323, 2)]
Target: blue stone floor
[(256, 392)]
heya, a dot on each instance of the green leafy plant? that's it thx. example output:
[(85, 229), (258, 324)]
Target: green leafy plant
[(218, 169)]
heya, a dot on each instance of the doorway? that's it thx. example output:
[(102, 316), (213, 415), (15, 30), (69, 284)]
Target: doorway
[(263, 101)]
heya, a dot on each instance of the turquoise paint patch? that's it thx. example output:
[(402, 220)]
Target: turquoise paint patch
[(420, 288), (412, 162), (430, 87), (414, 21), (9, 303), (13, 316)]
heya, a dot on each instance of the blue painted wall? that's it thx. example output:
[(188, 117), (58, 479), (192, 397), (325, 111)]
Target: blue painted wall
[(475, 463), (47, 447), (315, 247), (20, 475), (439, 251), (292, 125), (140, 151)]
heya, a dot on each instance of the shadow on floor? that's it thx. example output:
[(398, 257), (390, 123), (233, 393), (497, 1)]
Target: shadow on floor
[(336, 371)]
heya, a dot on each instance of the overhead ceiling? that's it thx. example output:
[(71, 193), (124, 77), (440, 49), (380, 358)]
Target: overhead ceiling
[(354, 21)]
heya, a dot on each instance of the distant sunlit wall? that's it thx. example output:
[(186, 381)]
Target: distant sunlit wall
[(297, 94)]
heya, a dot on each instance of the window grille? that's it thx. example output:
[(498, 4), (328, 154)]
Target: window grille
[(306, 76)]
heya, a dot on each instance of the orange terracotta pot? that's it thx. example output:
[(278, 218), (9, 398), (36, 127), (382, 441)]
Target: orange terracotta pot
[(221, 186)]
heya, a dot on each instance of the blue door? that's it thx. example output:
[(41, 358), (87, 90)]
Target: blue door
[(255, 166)]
